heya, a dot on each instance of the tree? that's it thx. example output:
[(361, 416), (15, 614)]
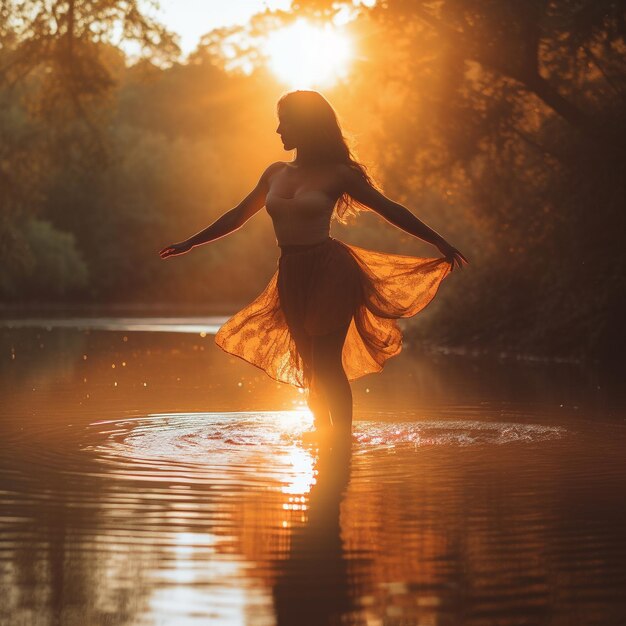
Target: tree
[(57, 67), (517, 109)]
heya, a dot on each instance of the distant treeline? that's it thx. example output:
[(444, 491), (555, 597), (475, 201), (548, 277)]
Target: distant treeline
[(501, 125)]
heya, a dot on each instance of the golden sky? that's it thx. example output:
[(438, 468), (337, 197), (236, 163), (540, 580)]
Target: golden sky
[(193, 18)]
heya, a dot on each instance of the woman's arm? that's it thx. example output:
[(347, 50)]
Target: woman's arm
[(229, 221), (396, 214)]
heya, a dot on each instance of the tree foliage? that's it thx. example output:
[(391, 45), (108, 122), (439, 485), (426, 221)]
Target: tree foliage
[(516, 113)]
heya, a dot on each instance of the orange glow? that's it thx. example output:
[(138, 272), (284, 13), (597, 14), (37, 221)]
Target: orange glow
[(304, 56)]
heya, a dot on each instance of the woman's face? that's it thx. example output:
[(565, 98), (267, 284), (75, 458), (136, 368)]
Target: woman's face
[(288, 131)]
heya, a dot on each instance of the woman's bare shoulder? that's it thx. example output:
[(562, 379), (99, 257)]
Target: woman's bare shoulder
[(272, 169)]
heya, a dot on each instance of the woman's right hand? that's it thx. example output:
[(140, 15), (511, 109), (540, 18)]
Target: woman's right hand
[(175, 248)]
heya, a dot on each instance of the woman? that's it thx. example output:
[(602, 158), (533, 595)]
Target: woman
[(328, 315)]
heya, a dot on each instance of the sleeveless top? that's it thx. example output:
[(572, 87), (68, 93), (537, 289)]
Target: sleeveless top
[(304, 219)]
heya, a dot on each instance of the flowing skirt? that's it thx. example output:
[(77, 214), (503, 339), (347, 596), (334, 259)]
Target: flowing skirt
[(319, 289)]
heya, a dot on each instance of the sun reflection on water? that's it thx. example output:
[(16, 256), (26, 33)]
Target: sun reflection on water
[(300, 477)]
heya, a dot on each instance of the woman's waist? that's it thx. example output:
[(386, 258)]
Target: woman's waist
[(302, 247)]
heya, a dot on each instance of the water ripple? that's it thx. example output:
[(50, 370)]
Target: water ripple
[(254, 447)]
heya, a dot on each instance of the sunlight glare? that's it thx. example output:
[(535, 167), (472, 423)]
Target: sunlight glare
[(300, 476), (304, 56)]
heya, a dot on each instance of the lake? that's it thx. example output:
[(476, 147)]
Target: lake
[(149, 478)]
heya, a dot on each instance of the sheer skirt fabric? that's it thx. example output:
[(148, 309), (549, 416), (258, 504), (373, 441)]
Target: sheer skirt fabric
[(321, 288)]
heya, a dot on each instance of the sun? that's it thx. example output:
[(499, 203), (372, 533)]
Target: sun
[(303, 55)]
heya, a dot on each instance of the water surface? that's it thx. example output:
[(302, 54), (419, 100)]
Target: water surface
[(147, 477)]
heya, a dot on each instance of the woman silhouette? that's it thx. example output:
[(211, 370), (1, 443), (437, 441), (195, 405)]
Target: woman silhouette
[(328, 315)]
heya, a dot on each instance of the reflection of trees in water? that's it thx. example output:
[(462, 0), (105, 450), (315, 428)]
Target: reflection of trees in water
[(422, 531), (65, 566), (312, 584), (97, 561), (42, 357)]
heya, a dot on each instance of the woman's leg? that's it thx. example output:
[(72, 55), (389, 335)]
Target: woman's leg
[(318, 405), (332, 379), (316, 399)]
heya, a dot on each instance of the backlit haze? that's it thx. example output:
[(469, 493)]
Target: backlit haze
[(300, 54), (191, 19)]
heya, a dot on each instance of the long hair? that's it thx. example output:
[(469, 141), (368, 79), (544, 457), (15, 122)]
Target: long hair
[(316, 116)]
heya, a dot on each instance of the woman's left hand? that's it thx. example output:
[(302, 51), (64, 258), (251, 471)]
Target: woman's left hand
[(452, 255)]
